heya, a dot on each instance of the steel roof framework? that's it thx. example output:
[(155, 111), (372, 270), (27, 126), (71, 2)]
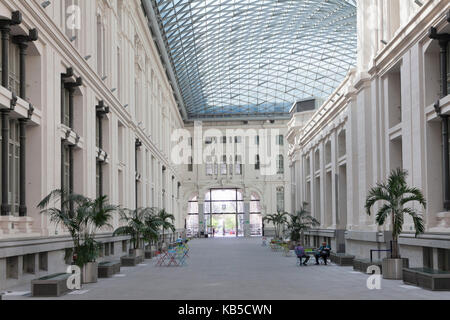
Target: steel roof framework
[(235, 58)]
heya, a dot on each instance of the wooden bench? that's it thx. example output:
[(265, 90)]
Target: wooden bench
[(108, 268), (53, 285), (427, 278), (342, 259), (362, 264), (131, 261)]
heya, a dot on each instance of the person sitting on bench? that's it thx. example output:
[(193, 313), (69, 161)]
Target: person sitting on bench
[(300, 252), (323, 252)]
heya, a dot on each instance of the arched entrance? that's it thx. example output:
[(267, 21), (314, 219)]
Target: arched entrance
[(224, 214)]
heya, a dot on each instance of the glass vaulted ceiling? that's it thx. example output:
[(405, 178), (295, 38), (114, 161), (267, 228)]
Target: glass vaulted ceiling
[(255, 58)]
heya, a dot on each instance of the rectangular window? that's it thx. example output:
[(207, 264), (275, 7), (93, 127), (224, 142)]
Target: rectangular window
[(280, 140), (65, 114), (190, 165), (238, 165), (14, 167), (121, 130), (237, 139), (14, 68), (257, 163), (65, 162), (97, 132), (209, 169), (98, 179), (280, 199), (223, 165)]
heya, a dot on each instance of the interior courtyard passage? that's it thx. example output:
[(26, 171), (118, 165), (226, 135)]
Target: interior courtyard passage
[(239, 268)]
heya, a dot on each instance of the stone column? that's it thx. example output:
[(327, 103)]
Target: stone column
[(247, 232), (201, 217)]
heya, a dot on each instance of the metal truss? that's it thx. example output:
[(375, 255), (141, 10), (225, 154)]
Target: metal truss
[(239, 58)]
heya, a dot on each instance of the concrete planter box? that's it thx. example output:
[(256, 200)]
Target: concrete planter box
[(137, 252), (89, 273), (54, 285), (130, 261), (363, 264), (427, 278), (342, 259), (393, 268), (108, 268)]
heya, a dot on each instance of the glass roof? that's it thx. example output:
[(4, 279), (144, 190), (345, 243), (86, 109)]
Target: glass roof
[(255, 58)]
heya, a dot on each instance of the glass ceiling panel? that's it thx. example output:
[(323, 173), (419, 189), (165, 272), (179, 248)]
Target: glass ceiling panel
[(256, 57)]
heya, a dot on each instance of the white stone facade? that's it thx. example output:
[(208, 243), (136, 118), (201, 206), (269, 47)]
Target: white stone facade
[(260, 182), (380, 118), (114, 54)]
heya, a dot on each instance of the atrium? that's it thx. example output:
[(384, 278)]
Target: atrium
[(177, 149)]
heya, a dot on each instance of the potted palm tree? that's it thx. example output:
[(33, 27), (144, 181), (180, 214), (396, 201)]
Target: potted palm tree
[(166, 220), (82, 217), (395, 194), (278, 220), (299, 223), (134, 227), (151, 232)]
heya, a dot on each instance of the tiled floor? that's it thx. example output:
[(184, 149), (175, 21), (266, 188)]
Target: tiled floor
[(239, 269)]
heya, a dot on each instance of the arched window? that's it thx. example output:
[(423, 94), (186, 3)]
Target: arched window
[(280, 164)]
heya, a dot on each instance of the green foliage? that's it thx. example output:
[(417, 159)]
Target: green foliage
[(394, 195), (144, 223), (300, 222), (278, 220), (135, 226), (87, 252), (82, 217), (166, 221)]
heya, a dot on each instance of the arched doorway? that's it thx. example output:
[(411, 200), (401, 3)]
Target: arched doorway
[(224, 214)]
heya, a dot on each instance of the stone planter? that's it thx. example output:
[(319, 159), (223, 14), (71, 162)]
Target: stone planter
[(427, 278), (89, 273), (54, 285), (137, 252), (393, 268), (342, 259)]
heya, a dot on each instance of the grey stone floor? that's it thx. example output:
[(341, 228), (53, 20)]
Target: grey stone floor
[(240, 269)]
